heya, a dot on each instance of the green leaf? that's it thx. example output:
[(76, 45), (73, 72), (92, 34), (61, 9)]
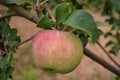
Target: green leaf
[(3, 76), (112, 20), (82, 20), (45, 23), (115, 27), (62, 12), (83, 38), (116, 5), (12, 43), (13, 40), (108, 34), (99, 23), (11, 1), (13, 35), (77, 4), (28, 5), (5, 67), (4, 27), (13, 32), (109, 43), (112, 51), (5, 61), (94, 3)]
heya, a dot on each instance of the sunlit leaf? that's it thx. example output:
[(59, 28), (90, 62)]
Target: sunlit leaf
[(45, 22), (82, 20), (4, 27), (62, 12)]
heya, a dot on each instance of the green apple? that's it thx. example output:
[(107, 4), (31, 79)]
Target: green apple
[(57, 51)]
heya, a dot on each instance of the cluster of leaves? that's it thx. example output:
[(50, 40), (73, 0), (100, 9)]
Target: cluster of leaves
[(8, 42), (114, 20), (68, 13), (70, 17), (110, 8)]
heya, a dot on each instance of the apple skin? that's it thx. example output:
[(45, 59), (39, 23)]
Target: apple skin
[(57, 51)]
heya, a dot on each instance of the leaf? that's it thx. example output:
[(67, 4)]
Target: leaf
[(83, 38), (107, 8), (5, 61), (5, 67), (77, 4), (4, 27), (11, 1), (13, 32), (94, 2), (115, 27), (109, 43), (108, 34), (116, 5), (12, 44), (82, 20), (13, 40), (62, 12), (28, 5), (45, 23), (112, 51), (112, 20), (99, 23), (3, 76)]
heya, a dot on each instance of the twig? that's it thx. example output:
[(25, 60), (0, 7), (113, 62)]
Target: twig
[(22, 12), (38, 9), (87, 52), (2, 53), (27, 40), (8, 15), (102, 62), (108, 55), (50, 13)]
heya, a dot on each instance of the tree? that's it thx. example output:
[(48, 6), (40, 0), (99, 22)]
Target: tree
[(61, 15)]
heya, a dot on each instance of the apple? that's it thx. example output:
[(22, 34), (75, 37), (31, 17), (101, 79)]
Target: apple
[(57, 51)]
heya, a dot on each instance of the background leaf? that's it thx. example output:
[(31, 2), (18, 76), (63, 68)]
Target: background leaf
[(13, 39), (99, 23), (5, 67), (116, 5), (4, 27), (11, 1)]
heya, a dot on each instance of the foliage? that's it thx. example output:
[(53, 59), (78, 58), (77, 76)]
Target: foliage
[(70, 16), (111, 8), (78, 19), (8, 42)]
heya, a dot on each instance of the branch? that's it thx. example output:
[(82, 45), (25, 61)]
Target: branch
[(108, 55), (38, 9), (22, 12), (27, 40), (102, 62), (88, 53), (8, 15), (23, 42), (48, 8)]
